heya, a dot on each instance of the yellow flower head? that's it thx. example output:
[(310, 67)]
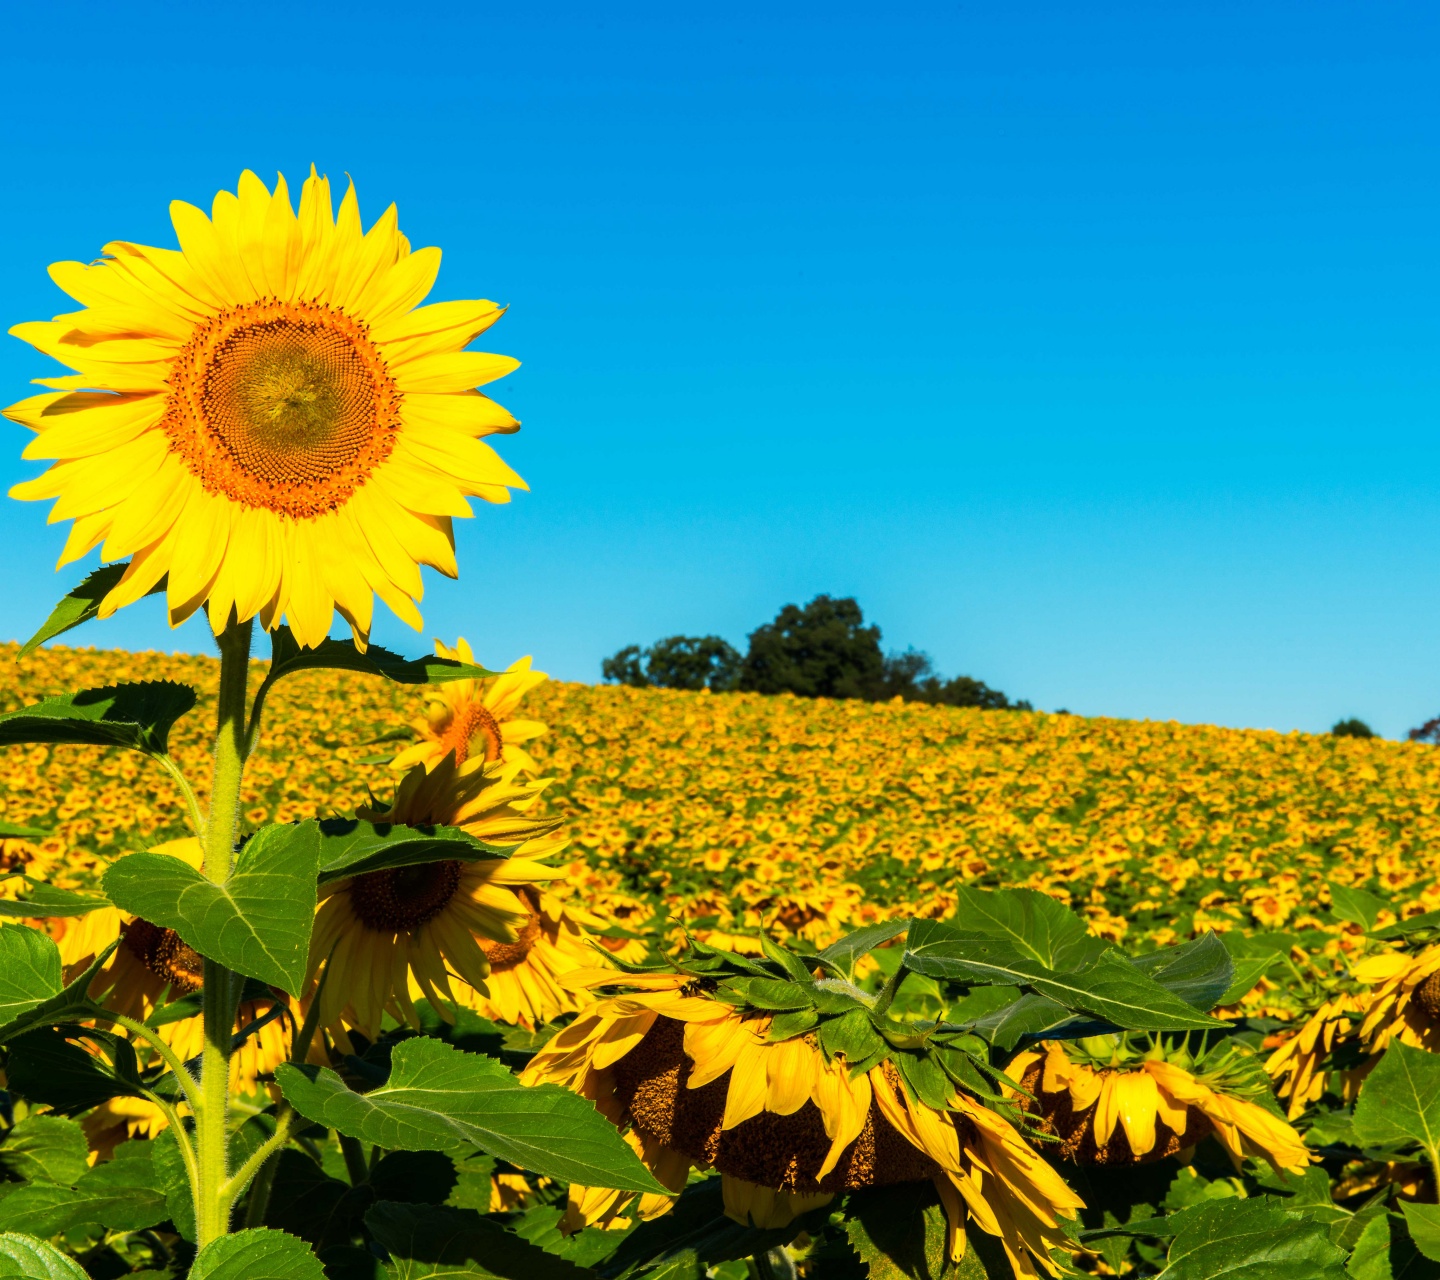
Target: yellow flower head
[(697, 1082), (474, 719), (1144, 1110), (265, 415), (1404, 999)]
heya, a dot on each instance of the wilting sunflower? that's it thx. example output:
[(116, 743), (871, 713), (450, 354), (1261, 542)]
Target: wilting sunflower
[(696, 1080), (392, 936), (1300, 1066), (474, 719), (1110, 1105), (153, 967), (1404, 999), (264, 415)]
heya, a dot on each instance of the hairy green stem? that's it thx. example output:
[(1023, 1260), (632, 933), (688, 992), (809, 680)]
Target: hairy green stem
[(187, 1082), (355, 1163), (241, 1177), (192, 801), (221, 990)]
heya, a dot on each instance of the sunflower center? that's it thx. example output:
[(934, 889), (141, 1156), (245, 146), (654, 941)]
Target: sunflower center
[(161, 951), (475, 730), (506, 955), (282, 405), (1427, 995), (404, 898)]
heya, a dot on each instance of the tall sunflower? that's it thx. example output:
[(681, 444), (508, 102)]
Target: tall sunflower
[(265, 415), (475, 718), (1109, 1104), (396, 935), (697, 1078)]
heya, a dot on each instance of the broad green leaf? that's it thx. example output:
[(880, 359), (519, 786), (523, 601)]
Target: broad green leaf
[(68, 1005), (1112, 989), (1385, 1250), (1029, 1015), (1424, 1223), (1035, 924), (1199, 972), (898, 1233), (1400, 1100), (309, 1203), (19, 831), (45, 1149), (122, 1194), (414, 1177), (1358, 906), (1404, 928), (540, 1225), (350, 847), (29, 971), (44, 1066), (46, 901), (852, 1036), (82, 604), (257, 1254), (772, 993), (25, 1258), (442, 1099), (1251, 1240), (138, 716), (1248, 972), (434, 1240), (842, 955), (288, 657), (257, 923)]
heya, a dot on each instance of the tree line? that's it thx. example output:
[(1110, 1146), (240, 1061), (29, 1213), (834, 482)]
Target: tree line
[(823, 650)]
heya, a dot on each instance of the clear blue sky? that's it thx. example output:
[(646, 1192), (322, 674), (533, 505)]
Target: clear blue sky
[(1093, 347)]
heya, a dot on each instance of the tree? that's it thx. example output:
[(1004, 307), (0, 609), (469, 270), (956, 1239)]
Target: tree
[(1427, 732), (824, 650), (911, 675), (676, 662), (1352, 728)]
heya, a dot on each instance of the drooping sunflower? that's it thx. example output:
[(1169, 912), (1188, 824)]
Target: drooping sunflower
[(396, 935), (1404, 999), (475, 718), (1109, 1104), (696, 1078), (267, 414), (1300, 1065)]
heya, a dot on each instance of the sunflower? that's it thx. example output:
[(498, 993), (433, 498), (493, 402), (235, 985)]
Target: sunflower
[(1299, 1066), (264, 415), (118, 1120), (697, 1081), (394, 935), (1109, 1106), (1404, 999), (153, 967), (466, 718)]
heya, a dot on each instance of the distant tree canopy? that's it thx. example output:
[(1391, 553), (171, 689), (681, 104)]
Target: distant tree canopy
[(823, 650), (1427, 732), (1352, 728)]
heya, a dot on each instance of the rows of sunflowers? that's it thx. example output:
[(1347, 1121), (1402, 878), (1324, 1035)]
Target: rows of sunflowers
[(329, 963)]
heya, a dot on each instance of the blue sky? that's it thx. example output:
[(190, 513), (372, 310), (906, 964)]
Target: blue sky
[(1092, 347)]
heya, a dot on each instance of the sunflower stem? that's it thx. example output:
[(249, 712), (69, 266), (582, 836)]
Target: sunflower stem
[(221, 989)]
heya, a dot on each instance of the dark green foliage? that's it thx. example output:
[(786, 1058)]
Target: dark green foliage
[(912, 676), (676, 662), (1352, 728), (824, 650)]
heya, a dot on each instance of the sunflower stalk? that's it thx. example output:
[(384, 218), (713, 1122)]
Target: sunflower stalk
[(222, 987)]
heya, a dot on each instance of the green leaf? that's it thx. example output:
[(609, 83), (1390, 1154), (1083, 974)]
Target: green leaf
[(771, 993), (82, 604), (45, 1149), (1424, 1223), (842, 955), (1112, 989), (1385, 1250), (1251, 1240), (1199, 972), (69, 1004), (433, 1240), (852, 1036), (307, 1202), (121, 1194), (257, 923), (138, 716), (24, 1258), (46, 901), (1403, 928), (1248, 972), (1029, 1015), (18, 831), (257, 1254), (350, 847), (44, 1066), (1400, 1100), (29, 971), (442, 1099), (898, 1233), (287, 657), (1035, 924), (1358, 906)]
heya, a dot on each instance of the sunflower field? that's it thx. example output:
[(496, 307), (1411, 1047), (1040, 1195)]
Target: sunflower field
[(318, 962)]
